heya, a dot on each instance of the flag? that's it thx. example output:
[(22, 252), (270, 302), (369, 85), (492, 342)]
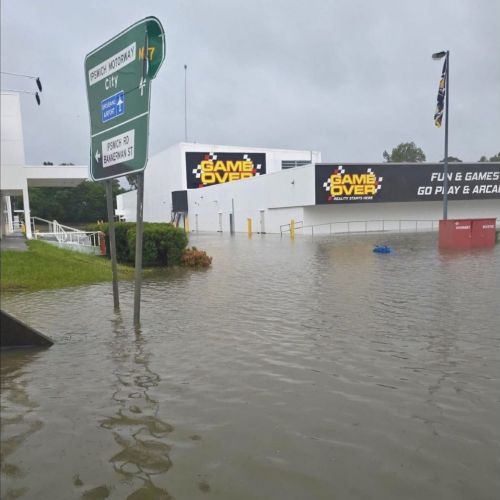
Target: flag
[(438, 115)]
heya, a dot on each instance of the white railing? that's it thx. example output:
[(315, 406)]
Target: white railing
[(63, 234), (365, 226)]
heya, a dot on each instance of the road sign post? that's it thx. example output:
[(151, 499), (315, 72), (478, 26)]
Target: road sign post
[(138, 249), (118, 78), (112, 243)]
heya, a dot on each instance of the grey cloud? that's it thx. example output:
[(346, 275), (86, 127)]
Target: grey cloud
[(349, 78)]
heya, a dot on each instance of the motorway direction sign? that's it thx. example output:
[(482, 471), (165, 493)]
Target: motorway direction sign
[(118, 78)]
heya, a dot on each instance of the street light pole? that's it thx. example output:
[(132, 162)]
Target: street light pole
[(440, 55), (185, 104), (447, 106)]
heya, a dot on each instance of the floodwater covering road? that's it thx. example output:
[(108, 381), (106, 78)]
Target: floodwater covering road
[(312, 369)]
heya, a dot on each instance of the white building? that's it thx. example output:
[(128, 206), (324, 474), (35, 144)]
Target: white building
[(277, 186), (17, 177)]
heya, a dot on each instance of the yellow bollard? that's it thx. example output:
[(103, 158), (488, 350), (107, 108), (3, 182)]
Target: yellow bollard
[(249, 227), (186, 224), (292, 229)]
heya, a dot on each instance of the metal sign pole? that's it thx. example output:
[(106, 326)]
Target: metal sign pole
[(447, 106), (112, 242), (138, 249), (118, 77)]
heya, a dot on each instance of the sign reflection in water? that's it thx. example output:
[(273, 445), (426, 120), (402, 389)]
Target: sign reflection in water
[(136, 426)]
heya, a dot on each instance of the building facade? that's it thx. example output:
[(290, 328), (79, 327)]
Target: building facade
[(221, 187), (15, 176)]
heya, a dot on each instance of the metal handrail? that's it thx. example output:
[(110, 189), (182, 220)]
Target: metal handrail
[(297, 226), (385, 225), (65, 234), (85, 238), (52, 224)]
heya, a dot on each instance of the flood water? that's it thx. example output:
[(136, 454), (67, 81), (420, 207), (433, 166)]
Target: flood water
[(312, 369)]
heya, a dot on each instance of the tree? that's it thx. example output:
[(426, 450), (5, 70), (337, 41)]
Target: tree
[(405, 152), (452, 159), (493, 158), (83, 203), (132, 180)]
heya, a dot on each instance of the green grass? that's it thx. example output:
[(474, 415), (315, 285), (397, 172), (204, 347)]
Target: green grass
[(45, 266)]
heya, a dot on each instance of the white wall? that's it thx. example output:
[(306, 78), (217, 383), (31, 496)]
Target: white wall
[(14, 174), (12, 145), (126, 205), (275, 198), (280, 194), (163, 174), (166, 172), (274, 156), (55, 175)]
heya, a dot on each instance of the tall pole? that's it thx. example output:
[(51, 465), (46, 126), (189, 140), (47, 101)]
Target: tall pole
[(185, 104), (112, 242), (447, 106), (138, 248)]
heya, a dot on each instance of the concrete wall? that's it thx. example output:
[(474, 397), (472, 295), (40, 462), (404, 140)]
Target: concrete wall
[(274, 156), (166, 172), (163, 175), (273, 199), (15, 175), (12, 145), (15, 333), (126, 205), (55, 175), (276, 197)]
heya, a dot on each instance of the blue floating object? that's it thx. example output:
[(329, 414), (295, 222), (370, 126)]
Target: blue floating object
[(382, 249)]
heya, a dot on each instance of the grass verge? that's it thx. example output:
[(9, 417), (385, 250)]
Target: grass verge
[(45, 266)]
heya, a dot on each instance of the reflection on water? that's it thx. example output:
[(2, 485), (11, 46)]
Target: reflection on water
[(313, 369), (18, 420), (136, 426)]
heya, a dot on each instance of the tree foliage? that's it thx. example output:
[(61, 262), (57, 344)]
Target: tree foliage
[(493, 158), (405, 152), (452, 159), (132, 180), (83, 203)]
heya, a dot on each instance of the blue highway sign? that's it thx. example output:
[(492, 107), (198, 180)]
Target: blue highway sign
[(112, 106)]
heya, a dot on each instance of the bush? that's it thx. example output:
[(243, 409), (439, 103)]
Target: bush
[(192, 257), (123, 253), (162, 244)]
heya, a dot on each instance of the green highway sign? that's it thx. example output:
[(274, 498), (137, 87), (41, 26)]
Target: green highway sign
[(118, 78)]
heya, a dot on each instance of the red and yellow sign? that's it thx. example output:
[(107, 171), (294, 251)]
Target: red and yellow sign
[(219, 171), (352, 185), (208, 169)]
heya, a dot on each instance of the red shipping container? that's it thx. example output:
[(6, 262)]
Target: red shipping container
[(467, 233)]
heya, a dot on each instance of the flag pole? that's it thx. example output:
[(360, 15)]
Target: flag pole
[(447, 106)]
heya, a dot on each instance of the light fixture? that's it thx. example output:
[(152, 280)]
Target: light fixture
[(439, 55)]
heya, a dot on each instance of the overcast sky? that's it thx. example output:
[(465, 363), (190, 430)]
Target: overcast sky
[(347, 78)]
